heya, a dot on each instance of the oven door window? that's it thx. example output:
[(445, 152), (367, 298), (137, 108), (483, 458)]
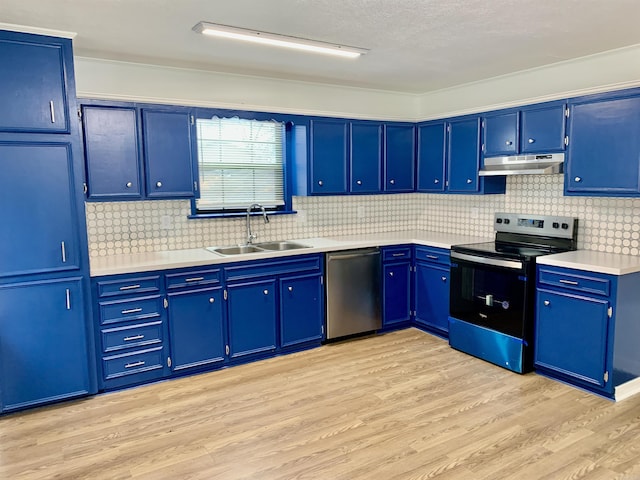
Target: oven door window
[(489, 296)]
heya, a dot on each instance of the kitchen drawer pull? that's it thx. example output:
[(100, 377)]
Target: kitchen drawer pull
[(532, 140), (194, 279), (508, 142), (436, 181), (129, 287), (578, 179), (129, 184), (398, 254), (392, 182), (444, 279), (135, 337), (469, 181), (359, 182), (568, 282), (159, 184), (64, 252), (131, 310), (212, 300), (52, 111), (290, 289), (391, 274), (134, 364), (432, 257), (547, 303), (266, 292)]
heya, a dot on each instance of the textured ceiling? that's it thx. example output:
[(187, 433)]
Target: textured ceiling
[(415, 46)]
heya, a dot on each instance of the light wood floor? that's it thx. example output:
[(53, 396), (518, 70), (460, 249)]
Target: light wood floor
[(397, 406)]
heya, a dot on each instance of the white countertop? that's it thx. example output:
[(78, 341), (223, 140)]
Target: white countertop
[(592, 261), (144, 262)]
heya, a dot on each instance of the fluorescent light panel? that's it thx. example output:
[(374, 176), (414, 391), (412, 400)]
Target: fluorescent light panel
[(276, 40)]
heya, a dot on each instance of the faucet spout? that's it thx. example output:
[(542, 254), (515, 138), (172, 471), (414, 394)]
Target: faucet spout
[(250, 235)]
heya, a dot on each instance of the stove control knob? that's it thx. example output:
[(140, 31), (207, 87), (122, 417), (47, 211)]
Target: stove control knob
[(498, 220), (565, 226), (556, 225), (507, 221)]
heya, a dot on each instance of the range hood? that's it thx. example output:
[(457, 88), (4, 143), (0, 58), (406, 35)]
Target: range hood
[(542, 164)]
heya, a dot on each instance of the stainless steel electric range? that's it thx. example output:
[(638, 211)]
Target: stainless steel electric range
[(492, 301)]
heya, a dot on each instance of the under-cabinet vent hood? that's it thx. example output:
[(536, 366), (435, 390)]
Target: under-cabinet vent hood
[(523, 165)]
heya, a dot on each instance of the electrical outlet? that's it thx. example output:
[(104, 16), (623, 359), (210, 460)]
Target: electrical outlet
[(165, 222)]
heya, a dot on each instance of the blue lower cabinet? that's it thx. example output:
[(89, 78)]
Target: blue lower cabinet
[(301, 310), (431, 297), (44, 349), (396, 293), (196, 328), (252, 317)]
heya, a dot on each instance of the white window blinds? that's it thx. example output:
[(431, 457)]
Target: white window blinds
[(240, 163)]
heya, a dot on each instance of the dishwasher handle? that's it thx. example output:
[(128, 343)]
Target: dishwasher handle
[(352, 254)]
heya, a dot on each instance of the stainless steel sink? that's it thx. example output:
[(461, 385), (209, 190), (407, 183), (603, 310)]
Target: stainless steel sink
[(257, 248), (285, 245), (236, 250)]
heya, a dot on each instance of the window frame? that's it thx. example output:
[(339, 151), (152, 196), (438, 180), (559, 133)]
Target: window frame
[(288, 161)]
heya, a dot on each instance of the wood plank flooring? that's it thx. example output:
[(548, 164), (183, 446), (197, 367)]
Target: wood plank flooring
[(393, 407)]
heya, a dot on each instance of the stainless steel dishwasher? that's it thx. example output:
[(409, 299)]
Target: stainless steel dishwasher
[(353, 292)]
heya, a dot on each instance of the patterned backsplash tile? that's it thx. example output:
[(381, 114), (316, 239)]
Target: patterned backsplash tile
[(605, 224)]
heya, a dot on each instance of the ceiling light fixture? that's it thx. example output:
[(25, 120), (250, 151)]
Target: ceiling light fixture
[(274, 39)]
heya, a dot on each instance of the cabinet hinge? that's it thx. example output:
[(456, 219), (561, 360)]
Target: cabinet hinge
[(566, 140), (80, 114), (483, 126), (195, 186), (322, 329), (448, 128), (225, 296), (606, 376), (321, 280), (226, 349), (168, 361), (566, 112), (85, 189), (446, 184), (610, 312), (166, 303), (193, 120)]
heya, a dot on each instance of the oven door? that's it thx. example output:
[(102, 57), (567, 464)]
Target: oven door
[(490, 292)]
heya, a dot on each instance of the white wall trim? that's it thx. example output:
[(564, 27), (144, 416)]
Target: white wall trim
[(37, 30), (627, 389)]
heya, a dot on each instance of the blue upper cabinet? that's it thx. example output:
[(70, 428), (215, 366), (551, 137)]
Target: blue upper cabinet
[(432, 157), (399, 157), (38, 209), (168, 160), (501, 134), (536, 129), (464, 155), (604, 146), (328, 156), (366, 157), (111, 152), (35, 72)]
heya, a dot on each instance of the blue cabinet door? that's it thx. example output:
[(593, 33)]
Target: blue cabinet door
[(543, 129), (431, 297), (396, 293), (168, 157), (34, 97), (328, 157), (301, 309), (431, 157), (604, 147), (196, 328), (366, 157), (252, 317), (571, 336), (44, 353), (111, 152), (399, 158), (464, 155), (37, 209), (501, 134)]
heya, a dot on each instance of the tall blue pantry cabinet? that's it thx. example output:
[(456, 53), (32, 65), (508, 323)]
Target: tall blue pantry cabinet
[(46, 346)]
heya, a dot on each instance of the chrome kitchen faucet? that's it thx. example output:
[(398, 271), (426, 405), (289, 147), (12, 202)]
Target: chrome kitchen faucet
[(252, 236)]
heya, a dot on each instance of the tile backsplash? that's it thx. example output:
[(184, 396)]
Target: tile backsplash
[(605, 224)]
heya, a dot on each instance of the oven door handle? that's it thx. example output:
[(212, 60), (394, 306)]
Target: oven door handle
[(512, 264)]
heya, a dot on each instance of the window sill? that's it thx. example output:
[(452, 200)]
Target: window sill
[(196, 216)]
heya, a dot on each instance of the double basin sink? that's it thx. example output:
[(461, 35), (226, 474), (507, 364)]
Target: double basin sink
[(257, 248)]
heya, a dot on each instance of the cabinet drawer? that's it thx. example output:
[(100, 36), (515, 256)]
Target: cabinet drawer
[(141, 335), (132, 363), (130, 309), (193, 278), (575, 281), (129, 286), (251, 270), (433, 255), (395, 253)]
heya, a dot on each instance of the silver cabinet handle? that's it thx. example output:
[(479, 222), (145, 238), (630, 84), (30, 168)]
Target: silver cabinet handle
[(266, 292), (532, 140), (359, 182), (211, 300), (508, 142), (131, 339), (290, 289), (134, 364), (158, 184), (129, 287), (64, 252), (129, 184), (131, 310), (68, 295), (444, 279), (469, 180), (568, 282), (546, 303), (392, 182), (320, 182), (432, 257), (194, 279), (53, 112), (578, 179), (436, 181), (398, 255)]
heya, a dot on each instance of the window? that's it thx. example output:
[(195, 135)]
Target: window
[(240, 162)]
